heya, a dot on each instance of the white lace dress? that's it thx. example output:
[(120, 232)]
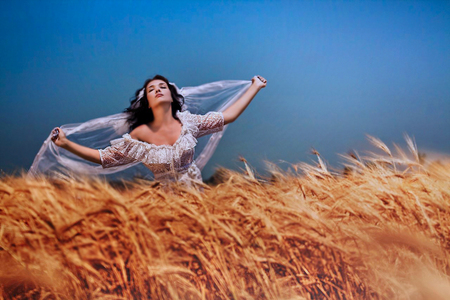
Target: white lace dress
[(167, 162)]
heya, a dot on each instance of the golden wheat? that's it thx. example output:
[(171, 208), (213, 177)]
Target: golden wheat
[(381, 231)]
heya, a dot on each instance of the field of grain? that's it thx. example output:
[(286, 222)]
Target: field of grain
[(378, 230)]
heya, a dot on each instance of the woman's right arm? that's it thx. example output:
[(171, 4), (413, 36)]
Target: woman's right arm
[(60, 140)]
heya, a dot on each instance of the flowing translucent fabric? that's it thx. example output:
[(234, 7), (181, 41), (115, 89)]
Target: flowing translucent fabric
[(97, 134)]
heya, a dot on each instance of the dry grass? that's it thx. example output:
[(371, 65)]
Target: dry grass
[(379, 232)]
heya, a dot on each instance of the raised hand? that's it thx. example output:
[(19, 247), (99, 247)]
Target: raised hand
[(259, 81), (59, 137), (60, 140)]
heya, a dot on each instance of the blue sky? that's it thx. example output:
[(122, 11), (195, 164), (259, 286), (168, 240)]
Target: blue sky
[(336, 70)]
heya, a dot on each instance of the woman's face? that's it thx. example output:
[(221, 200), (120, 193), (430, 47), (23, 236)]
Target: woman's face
[(158, 92)]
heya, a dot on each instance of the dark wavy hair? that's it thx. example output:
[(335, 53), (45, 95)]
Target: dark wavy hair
[(139, 111)]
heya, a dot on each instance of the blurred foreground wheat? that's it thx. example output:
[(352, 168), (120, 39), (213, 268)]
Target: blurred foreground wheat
[(379, 231)]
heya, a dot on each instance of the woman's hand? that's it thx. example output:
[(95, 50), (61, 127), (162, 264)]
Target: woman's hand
[(59, 137), (60, 140), (259, 81), (233, 112)]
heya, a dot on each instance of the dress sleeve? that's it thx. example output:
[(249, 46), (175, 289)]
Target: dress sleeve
[(116, 154), (209, 123)]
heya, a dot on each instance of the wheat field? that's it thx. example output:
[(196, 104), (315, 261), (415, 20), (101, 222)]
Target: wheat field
[(378, 230)]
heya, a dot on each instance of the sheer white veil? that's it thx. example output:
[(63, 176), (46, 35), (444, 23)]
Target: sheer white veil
[(97, 133)]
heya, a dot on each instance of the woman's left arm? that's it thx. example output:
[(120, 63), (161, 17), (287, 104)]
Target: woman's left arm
[(235, 110)]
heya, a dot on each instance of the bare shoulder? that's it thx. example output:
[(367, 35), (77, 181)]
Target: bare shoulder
[(138, 131)]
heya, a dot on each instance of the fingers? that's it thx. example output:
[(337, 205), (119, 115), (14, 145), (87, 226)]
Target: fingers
[(262, 79), (55, 134)]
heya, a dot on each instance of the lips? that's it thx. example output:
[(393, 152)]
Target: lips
[(159, 95)]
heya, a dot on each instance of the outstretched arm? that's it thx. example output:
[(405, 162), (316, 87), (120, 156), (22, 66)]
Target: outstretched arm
[(235, 110), (60, 139)]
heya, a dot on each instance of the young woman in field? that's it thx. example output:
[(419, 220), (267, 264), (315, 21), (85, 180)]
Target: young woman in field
[(162, 136)]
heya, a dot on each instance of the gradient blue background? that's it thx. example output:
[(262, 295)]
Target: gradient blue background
[(336, 70)]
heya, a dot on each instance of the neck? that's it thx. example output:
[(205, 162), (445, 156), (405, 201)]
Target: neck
[(163, 116)]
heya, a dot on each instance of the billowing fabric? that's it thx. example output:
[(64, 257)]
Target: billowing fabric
[(167, 162), (101, 132)]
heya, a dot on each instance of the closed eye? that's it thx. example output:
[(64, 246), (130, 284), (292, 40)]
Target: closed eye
[(161, 85)]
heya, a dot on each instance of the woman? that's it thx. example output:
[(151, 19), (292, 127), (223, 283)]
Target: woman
[(162, 136)]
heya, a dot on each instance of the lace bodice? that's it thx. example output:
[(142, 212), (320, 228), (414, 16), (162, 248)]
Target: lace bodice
[(167, 162)]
